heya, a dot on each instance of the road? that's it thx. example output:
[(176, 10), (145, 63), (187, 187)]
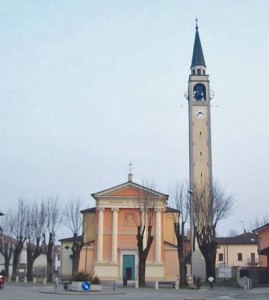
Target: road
[(14, 291)]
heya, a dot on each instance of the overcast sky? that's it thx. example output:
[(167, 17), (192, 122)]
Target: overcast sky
[(88, 86)]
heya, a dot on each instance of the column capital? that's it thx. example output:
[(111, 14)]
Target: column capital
[(115, 209), (101, 209), (158, 209)]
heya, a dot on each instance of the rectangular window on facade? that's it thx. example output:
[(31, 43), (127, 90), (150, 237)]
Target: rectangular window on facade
[(220, 256), (252, 258), (239, 256)]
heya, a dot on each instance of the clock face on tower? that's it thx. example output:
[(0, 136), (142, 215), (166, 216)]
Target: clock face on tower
[(200, 112)]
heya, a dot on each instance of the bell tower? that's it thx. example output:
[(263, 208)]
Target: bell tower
[(200, 160)]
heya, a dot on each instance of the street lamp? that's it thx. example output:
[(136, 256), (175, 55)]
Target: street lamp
[(192, 234)]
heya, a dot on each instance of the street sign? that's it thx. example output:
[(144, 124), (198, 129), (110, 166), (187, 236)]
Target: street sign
[(86, 286)]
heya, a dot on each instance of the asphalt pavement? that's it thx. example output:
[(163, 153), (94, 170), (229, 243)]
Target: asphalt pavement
[(21, 291)]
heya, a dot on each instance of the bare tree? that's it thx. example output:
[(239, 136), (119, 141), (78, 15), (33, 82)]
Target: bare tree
[(258, 222), (7, 242), (233, 233), (36, 226), (53, 220), (210, 204), (74, 220), (146, 203), (180, 200), (19, 232)]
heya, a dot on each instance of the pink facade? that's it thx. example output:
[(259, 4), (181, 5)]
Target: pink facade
[(263, 233), (111, 228)]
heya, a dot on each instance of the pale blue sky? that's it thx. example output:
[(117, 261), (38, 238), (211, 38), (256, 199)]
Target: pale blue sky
[(87, 86)]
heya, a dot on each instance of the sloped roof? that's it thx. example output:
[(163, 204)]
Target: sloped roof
[(89, 210), (264, 251), (247, 238), (261, 228), (70, 239), (172, 210), (126, 189)]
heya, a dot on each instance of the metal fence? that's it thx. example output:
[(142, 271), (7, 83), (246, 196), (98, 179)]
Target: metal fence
[(258, 275)]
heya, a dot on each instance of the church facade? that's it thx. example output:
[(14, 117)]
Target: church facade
[(111, 227)]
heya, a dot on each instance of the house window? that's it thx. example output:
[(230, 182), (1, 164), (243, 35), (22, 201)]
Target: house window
[(252, 258), (239, 257), (220, 256)]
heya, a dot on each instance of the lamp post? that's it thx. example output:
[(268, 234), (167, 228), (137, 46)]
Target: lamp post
[(192, 234)]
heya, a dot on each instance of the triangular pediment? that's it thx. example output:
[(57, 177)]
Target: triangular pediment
[(128, 189)]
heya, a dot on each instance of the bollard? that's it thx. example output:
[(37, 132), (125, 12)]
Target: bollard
[(25, 279), (114, 285), (34, 280), (156, 285), (45, 280), (17, 278), (136, 284)]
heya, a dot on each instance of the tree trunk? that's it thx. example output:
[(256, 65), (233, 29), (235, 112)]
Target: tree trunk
[(16, 256), (33, 251), (142, 272), (7, 263), (143, 253), (208, 247), (50, 258), (30, 270), (182, 257), (76, 249), (7, 252)]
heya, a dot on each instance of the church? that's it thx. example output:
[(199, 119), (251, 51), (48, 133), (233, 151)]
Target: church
[(110, 230)]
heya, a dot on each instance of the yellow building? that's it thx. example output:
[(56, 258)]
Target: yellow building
[(240, 250), (110, 230)]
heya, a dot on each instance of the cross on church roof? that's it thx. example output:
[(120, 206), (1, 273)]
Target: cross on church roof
[(130, 167)]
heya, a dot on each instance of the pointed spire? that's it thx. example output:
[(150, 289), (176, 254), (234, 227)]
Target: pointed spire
[(197, 56)]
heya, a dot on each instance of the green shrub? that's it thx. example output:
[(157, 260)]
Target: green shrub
[(94, 279), (81, 276)]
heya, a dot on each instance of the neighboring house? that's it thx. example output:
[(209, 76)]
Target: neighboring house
[(263, 233), (240, 250), (66, 256), (40, 264), (110, 235)]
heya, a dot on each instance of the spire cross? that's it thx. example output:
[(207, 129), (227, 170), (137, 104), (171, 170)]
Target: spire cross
[(196, 20), (130, 167)]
